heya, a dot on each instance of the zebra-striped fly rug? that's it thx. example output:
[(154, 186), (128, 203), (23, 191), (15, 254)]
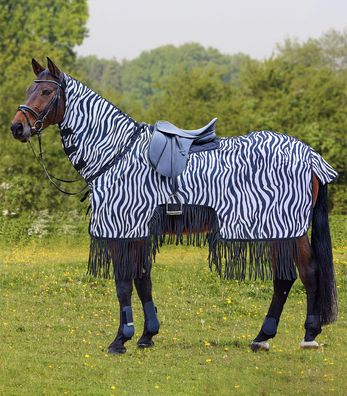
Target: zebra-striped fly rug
[(249, 199)]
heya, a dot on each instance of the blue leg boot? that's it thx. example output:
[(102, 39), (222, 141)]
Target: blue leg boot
[(313, 328), (151, 325), (125, 332), (268, 330)]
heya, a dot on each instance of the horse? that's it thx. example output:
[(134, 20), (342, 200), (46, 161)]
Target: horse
[(110, 151)]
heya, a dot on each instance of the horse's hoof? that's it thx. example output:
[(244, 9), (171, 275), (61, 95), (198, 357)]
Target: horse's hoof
[(260, 346), (309, 344), (145, 344), (116, 350)]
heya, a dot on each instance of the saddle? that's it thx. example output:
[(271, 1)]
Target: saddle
[(170, 146)]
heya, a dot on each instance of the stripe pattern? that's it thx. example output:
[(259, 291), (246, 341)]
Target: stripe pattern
[(259, 185)]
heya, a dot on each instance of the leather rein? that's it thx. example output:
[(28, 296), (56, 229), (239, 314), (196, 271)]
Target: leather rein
[(37, 129)]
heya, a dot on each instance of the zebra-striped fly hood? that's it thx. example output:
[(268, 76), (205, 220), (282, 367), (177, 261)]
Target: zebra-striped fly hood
[(249, 199), (93, 129)]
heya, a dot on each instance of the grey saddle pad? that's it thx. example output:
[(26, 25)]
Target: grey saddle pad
[(170, 146)]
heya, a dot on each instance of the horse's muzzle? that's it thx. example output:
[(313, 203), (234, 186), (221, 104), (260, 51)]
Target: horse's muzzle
[(18, 132)]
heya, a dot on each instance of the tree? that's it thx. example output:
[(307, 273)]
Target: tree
[(35, 29), (32, 29)]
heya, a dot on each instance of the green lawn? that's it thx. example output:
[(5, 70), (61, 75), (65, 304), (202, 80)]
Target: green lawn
[(56, 324)]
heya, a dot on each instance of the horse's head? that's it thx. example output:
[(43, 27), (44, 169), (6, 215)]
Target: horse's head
[(44, 104)]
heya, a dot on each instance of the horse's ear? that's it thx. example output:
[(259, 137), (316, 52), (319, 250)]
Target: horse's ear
[(53, 68), (37, 68)]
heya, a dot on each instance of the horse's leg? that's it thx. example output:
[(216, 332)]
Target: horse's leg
[(126, 326), (144, 290), (269, 327), (308, 271)]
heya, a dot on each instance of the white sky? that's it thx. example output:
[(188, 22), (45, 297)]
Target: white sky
[(123, 29)]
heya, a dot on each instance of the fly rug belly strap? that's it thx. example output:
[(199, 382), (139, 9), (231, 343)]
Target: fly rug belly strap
[(170, 147)]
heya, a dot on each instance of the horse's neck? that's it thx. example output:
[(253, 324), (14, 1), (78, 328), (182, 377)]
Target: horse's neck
[(92, 119), (97, 128)]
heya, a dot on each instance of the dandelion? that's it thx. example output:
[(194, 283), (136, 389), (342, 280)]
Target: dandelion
[(208, 360), (207, 344), (87, 356), (113, 387)]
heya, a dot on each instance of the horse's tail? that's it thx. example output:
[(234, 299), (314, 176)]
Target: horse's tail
[(322, 250)]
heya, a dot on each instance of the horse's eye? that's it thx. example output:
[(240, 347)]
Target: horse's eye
[(46, 92)]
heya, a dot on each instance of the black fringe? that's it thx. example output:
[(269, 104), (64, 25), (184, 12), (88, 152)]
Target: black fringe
[(197, 226), (131, 258), (241, 259)]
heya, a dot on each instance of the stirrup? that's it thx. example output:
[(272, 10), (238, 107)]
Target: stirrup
[(174, 212)]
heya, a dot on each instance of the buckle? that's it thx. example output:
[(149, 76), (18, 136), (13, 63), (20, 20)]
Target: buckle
[(174, 211)]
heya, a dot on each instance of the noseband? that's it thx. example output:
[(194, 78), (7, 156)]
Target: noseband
[(41, 117)]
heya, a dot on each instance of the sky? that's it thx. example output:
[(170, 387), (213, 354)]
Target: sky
[(124, 29)]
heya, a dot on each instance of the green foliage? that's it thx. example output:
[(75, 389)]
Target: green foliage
[(31, 227), (33, 29), (141, 76), (102, 75), (28, 29)]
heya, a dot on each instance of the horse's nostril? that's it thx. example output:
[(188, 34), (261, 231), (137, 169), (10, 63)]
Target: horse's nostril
[(17, 129)]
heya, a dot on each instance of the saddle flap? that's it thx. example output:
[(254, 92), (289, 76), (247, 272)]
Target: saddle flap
[(168, 155), (157, 147)]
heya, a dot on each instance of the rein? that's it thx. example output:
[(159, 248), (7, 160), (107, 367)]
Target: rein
[(37, 129), (53, 178)]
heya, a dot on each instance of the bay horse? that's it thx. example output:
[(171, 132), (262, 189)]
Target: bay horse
[(56, 98)]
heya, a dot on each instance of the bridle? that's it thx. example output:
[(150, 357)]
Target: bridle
[(37, 128), (41, 117)]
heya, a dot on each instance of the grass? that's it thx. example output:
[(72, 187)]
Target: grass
[(56, 324)]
